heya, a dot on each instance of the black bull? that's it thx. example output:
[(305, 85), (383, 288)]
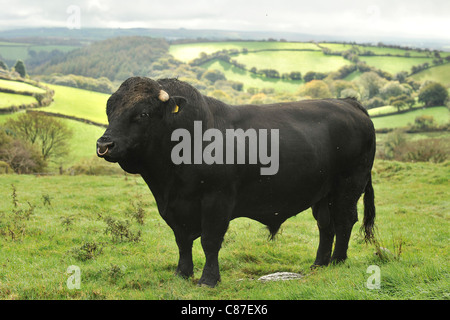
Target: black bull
[(326, 153)]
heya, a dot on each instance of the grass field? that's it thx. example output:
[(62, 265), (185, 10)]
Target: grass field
[(190, 51), (251, 80), (394, 65), (20, 86), (376, 50), (412, 212), (21, 51), (287, 61), (440, 114), (79, 103), (439, 73), (11, 99)]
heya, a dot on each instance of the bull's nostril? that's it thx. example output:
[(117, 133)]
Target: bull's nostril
[(104, 147)]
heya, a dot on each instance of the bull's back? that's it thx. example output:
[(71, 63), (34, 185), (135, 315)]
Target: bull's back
[(318, 139)]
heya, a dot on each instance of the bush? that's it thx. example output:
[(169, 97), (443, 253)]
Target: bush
[(398, 148), (423, 123), (433, 150), (5, 168), (95, 167), (19, 155)]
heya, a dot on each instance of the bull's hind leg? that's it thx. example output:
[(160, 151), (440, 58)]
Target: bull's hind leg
[(321, 213), (344, 212)]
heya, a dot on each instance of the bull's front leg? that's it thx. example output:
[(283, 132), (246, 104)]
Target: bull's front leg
[(185, 268), (216, 215)]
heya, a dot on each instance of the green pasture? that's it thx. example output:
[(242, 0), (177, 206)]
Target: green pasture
[(189, 51), (67, 227), (251, 80), (438, 73), (440, 114), (21, 51), (11, 99), (79, 103), (19, 86), (394, 65), (287, 61), (340, 47)]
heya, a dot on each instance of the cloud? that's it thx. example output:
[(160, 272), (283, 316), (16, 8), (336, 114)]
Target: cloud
[(402, 18)]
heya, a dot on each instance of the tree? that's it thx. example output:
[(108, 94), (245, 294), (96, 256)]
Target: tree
[(392, 89), (213, 76), (20, 68), (50, 135), (3, 65), (316, 89), (295, 75), (433, 94), (372, 83)]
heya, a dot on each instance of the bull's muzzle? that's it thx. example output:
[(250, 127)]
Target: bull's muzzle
[(104, 147)]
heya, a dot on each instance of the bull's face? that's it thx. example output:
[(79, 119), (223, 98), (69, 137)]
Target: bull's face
[(137, 114)]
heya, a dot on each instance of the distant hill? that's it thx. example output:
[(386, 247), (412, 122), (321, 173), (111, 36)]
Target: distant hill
[(115, 59), (95, 34)]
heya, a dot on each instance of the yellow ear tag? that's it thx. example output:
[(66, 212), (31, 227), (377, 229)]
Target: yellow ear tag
[(176, 109)]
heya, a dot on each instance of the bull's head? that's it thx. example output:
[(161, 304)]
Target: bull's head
[(138, 114)]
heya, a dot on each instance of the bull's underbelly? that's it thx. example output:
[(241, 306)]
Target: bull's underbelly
[(272, 197)]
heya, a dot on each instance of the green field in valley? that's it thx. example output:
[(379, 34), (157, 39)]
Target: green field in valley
[(438, 73), (287, 61), (251, 80), (440, 114), (10, 99), (79, 103), (19, 86), (190, 51), (394, 65), (21, 51)]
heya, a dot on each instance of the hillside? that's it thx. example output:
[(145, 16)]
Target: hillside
[(115, 59)]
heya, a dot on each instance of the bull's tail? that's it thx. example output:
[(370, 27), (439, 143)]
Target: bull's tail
[(369, 212)]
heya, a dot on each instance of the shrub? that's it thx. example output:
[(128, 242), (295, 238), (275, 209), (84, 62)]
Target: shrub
[(20, 156), (120, 230), (95, 167), (424, 122), (433, 150), (398, 148), (5, 167), (87, 251)]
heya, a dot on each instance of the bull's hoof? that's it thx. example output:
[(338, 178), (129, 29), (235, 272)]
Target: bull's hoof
[(185, 274), (210, 283), (317, 266)]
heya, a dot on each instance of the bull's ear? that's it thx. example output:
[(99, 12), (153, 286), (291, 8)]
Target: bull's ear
[(176, 104)]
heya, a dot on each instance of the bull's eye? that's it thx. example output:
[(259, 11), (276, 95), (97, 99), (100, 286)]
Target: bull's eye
[(144, 115)]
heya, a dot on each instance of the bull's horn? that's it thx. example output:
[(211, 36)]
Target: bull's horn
[(163, 96)]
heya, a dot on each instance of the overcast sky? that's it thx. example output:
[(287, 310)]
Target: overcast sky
[(428, 19)]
